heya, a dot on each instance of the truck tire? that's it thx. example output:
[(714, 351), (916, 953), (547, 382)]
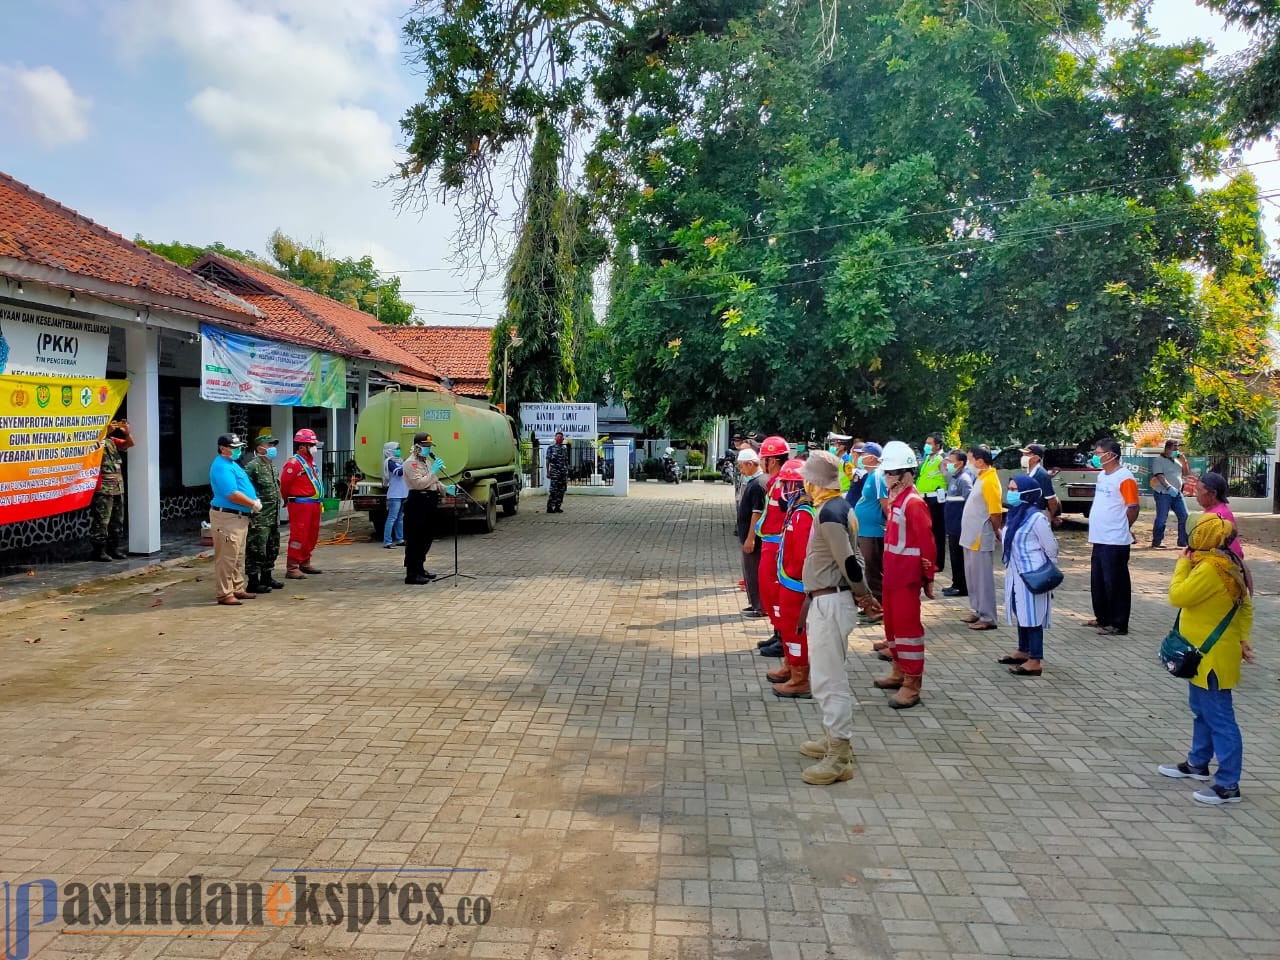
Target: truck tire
[(511, 505), (379, 520), (491, 511)]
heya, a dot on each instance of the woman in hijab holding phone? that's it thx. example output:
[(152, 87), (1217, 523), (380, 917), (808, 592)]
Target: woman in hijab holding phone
[(1029, 544)]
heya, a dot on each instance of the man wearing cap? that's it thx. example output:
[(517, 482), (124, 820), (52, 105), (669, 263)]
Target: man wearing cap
[(980, 524), (425, 489), (870, 511), (932, 485), (838, 444), (774, 452), (303, 490), (750, 506), (832, 577), (264, 527), (234, 500), (557, 474), (1033, 463)]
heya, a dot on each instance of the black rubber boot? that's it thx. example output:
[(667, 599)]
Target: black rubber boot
[(100, 554)]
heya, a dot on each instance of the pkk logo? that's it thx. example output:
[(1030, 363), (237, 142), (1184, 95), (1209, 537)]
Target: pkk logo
[(18, 398), (103, 393), (43, 396), (86, 396), (66, 396)]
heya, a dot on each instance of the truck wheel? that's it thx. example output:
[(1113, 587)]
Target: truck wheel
[(511, 506), (491, 511), (379, 520)]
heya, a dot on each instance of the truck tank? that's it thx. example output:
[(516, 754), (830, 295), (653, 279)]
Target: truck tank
[(475, 441), (468, 435)]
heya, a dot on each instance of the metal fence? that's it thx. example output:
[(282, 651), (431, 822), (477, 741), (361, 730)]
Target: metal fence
[(1247, 475), (339, 473)]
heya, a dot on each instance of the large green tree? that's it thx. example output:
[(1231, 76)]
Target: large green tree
[(536, 332), (884, 216), (1252, 79)]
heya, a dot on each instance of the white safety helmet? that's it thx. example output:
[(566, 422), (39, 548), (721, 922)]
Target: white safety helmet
[(669, 451), (898, 456)]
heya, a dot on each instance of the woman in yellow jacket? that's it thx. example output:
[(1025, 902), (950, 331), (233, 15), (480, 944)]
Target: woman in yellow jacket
[(1208, 583)]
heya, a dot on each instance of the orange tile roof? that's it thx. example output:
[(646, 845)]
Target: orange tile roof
[(461, 353), (296, 313), (41, 232)]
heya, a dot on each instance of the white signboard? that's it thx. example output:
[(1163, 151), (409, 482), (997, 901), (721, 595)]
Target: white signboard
[(577, 421), (41, 344)]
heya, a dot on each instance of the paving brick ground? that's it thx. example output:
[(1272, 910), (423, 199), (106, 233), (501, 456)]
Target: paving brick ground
[(586, 727)]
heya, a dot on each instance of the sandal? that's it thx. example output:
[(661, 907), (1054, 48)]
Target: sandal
[(982, 625), (1107, 631), (1015, 660), (971, 618), (1092, 623), (1024, 672)]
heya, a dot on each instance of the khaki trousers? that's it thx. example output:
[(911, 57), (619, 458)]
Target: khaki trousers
[(832, 618), (230, 536)]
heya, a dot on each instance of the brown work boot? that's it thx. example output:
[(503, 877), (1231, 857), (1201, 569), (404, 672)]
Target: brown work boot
[(781, 675), (880, 645), (837, 765), (308, 568), (816, 749), (908, 695), (892, 682), (797, 685), (292, 572)]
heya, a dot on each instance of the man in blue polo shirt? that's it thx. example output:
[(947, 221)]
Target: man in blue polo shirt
[(870, 513), (234, 499)]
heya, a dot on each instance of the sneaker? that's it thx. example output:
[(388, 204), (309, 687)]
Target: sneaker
[(1183, 771), (774, 650), (754, 614), (1216, 795)]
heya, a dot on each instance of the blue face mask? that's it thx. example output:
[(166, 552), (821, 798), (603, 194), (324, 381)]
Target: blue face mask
[(1096, 462), (235, 452), (860, 466), (1013, 498), (928, 449), (832, 449), (397, 452), (271, 453)]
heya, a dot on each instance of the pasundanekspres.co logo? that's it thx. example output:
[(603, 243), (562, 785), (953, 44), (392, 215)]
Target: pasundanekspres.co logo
[(233, 908)]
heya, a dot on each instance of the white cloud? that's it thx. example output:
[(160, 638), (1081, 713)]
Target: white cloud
[(285, 84), (40, 101)]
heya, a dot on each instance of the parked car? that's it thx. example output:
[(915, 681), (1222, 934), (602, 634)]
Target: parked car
[(1073, 479)]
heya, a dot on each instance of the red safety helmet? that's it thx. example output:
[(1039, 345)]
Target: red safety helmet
[(775, 447), (790, 471), (306, 436)]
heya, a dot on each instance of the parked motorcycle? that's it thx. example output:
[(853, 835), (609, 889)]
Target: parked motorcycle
[(728, 467), (670, 469)]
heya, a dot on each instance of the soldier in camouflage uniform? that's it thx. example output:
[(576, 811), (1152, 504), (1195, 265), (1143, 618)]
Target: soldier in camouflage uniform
[(107, 508), (263, 546), (557, 474)]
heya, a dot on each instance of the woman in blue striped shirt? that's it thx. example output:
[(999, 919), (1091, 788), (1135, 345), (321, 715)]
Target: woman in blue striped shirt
[(1029, 544)]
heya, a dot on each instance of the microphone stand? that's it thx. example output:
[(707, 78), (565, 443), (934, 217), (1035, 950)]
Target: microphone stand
[(458, 492)]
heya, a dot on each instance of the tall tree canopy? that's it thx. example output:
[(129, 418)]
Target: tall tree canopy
[(885, 216)]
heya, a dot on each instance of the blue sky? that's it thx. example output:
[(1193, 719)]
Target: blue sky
[(204, 120)]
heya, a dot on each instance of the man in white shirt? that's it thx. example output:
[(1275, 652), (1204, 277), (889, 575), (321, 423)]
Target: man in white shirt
[(1115, 508)]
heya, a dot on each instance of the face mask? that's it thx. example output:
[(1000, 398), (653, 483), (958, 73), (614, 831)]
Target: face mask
[(928, 449), (1096, 461), (271, 453), (1013, 498), (951, 468), (832, 450), (1026, 463), (235, 453), (861, 466), (397, 452)]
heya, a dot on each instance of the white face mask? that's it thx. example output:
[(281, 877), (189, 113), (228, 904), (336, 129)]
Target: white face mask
[(1026, 463)]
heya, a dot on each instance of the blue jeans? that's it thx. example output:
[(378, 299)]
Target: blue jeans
[(1164, 503), (1031, 642), (393, 529), (1215, 732)]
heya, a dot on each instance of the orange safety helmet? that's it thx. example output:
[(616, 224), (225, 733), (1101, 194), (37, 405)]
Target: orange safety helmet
[(306, 436), (775, 447), (791, 471)]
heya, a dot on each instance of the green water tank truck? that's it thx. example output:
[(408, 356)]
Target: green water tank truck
[(476, 441)]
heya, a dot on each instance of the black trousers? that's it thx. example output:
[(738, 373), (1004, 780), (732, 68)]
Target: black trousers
[(937, 514), (958, 581), (419, 511), (1110, 586)]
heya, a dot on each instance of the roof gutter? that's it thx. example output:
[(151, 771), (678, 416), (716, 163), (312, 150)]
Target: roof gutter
[(237, 311)]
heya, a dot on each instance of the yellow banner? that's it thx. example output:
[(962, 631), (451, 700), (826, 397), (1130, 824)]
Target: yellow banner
[(51, 435)]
